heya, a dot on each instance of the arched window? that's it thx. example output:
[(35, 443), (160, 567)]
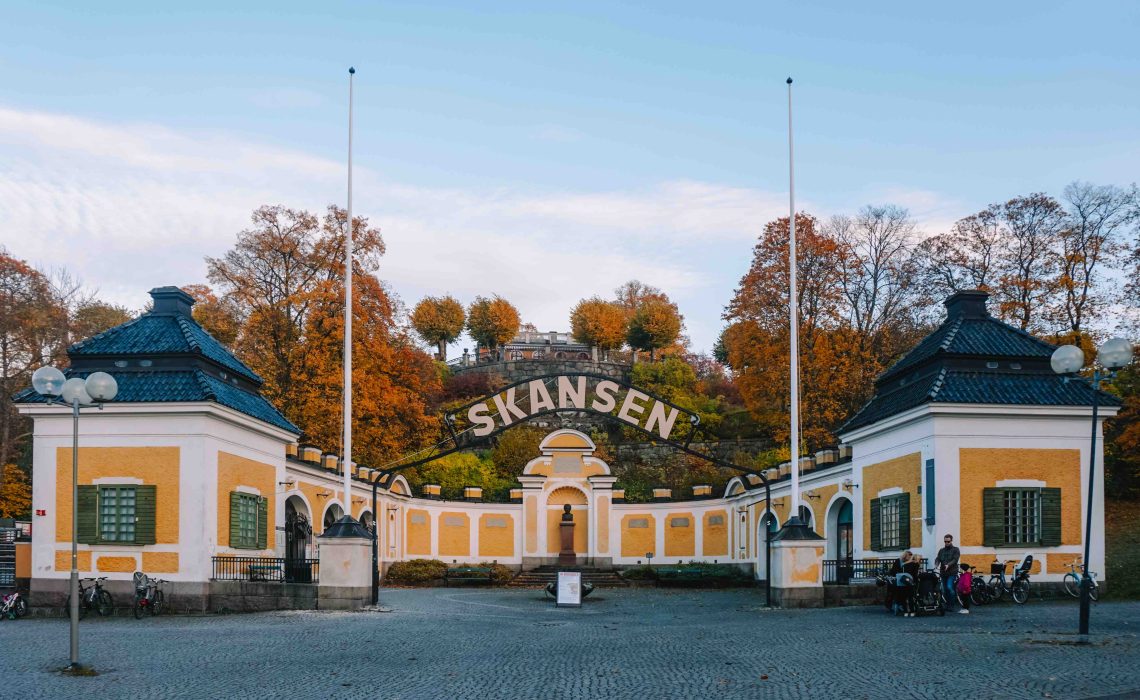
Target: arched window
[(516, 355), (583, 356), (537, 355), (560, 356), (805, 515)]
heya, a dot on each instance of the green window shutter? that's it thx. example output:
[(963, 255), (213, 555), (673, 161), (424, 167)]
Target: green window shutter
[(235, 519), (876, 538), (88, 514), (1050, 517), (993, 517), (904, 520), (262, 522), (145, 506)]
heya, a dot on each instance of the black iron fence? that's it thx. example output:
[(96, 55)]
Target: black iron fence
[(845, 571), (271, 569)]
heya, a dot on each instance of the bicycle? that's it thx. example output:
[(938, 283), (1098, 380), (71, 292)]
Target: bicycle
[(1073, 581), (1018, 587), (148, 595), (13, 606), (94, 596)]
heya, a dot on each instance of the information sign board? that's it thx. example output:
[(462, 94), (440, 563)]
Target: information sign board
[(569, 589)]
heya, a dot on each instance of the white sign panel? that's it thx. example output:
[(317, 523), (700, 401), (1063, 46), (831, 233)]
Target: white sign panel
[(569, 589)]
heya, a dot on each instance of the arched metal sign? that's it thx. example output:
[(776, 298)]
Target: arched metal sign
[(571, 393)]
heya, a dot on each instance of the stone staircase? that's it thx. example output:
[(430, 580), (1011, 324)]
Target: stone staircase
[(538, 578)]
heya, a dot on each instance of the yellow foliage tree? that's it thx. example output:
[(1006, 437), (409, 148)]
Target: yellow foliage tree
[(492, 322), (439, 321), (15, 493), (655, 325)]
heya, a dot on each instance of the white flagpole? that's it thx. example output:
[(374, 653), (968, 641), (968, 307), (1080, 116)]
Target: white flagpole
[(348, 320), (794, 315)]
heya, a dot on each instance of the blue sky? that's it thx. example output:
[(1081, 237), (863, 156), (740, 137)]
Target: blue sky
[(544, 151)]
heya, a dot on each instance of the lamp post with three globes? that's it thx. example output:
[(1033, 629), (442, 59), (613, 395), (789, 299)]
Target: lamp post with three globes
[(1068, 359), (77, 393)]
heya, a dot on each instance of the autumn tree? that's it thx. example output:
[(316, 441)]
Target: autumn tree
[(284, 280), (439, 321), (877, 275), (15, 492), (964, 258), (93, 317), (492, 322), (1092, 238), (631, 295), (220, 316), (835, 368), (655, 325), (600, 324), (33, 333), (1027, 272)]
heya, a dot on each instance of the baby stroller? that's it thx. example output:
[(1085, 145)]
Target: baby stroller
[(928, 593)]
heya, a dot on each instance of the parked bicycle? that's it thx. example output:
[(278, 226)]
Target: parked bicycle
[(1073, 581), (12, 606), (148, 595), (1017, 587), (92, 597)]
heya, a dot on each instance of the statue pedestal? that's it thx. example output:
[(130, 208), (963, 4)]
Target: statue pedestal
[(797, 567), (566, 555)]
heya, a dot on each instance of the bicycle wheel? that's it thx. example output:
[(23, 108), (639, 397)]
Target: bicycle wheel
[(979, 595), (1073, 584), (140, 603), (104, 605), (1019, 591), (1094, 590), (997, 590), (157, 603), (21, 607)]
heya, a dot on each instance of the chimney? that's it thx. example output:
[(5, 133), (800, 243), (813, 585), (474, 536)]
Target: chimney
[(967, 304), (171, 300)]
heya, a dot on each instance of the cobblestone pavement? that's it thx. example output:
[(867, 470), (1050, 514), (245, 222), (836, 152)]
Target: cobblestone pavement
[(468, 643)]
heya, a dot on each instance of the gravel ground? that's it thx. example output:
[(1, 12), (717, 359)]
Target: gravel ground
[(645, 643)]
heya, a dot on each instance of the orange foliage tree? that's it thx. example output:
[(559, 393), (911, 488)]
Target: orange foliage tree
[(439, 321), (836, 368), (492, 322), (599, 323), (283, 280)]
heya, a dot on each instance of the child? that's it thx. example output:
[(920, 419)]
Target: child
[(965, 585)]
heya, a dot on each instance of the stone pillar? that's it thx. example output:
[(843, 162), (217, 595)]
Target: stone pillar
[(797, 569), (534, 522), (345, 572)]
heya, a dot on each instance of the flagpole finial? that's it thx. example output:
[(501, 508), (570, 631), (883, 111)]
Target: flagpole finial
[(352, 70), (789, 80)]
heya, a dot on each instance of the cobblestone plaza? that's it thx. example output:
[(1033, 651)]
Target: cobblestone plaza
[(467, 643)]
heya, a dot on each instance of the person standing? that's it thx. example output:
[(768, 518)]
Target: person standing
[(965, 587), (947, 561)]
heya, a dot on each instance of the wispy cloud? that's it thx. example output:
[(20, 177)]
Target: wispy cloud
[(132, 206)]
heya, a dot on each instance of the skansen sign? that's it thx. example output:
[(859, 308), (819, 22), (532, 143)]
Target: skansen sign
[(574, 393)]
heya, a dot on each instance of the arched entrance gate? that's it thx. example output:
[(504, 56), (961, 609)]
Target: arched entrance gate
[(569, 395)]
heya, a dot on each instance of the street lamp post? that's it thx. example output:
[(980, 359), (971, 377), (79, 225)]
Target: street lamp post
[(77, 393), (1069, 359)]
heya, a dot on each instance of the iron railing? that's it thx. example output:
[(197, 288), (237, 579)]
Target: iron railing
[(844, 571), (270, 569)]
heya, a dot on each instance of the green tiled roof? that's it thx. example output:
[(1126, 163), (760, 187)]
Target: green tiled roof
[(161, 334), (973, 358), (154, 386)]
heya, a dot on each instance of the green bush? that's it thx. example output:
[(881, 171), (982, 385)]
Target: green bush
[(639, 573), (416, 571)]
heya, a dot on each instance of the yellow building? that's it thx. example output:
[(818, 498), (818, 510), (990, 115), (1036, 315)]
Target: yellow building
[(190, 475)]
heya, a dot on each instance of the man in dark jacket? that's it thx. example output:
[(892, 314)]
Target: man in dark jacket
[(947, 561)]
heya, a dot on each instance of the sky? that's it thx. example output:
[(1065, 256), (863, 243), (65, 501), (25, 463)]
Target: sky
[(546, 152)]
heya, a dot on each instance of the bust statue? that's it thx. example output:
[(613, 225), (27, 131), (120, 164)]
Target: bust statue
[(567, 516)]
